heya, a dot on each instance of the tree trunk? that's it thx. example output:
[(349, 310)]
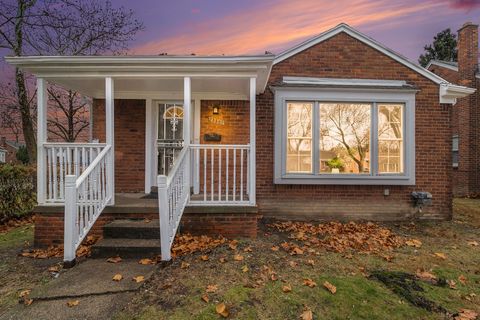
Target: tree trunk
[(27, 123)]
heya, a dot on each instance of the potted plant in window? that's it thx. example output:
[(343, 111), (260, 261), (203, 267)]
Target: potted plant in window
[(335, 164)]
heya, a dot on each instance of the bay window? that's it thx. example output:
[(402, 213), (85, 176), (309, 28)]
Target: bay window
[(337, 137)]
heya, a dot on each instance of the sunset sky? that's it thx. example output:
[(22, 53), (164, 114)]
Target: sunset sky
[(249, 26)]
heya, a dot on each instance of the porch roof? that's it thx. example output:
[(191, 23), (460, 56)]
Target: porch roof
[(144, 75)]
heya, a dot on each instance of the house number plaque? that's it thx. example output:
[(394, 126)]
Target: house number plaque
[(216, 121)]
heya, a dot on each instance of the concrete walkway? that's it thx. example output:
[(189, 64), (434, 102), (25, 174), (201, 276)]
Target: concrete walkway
[(89, 282)]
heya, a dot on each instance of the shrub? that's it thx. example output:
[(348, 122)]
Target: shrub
[(22, 155), (17, 191)]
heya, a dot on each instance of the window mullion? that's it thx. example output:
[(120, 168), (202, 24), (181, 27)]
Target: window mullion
[(316, 139), (374, 140)]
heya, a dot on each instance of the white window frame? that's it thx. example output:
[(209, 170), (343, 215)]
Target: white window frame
[(455, 148), (373, 96), (3, 156)]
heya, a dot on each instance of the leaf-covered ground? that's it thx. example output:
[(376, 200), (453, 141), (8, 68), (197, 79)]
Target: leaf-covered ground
[(288, 273), (422, 270)]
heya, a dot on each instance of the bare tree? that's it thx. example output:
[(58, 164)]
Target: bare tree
[(348, 125), (60, 27)]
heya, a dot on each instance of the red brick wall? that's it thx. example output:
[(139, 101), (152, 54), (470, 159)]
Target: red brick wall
[(129, 142), (345, 57)]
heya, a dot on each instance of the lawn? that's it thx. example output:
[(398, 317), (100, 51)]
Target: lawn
[(283, 274), (448, 251)]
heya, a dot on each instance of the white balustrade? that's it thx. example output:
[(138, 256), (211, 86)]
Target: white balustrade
[(173, 195), (221, 174), (62, 159), (85, 198)]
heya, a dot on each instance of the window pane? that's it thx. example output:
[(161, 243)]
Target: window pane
[(345, 138), (299, 137), (390, 138)]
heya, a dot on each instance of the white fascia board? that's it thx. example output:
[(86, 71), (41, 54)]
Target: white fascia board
[(363, 38), (442, 64), (344, 82), (449, 93)]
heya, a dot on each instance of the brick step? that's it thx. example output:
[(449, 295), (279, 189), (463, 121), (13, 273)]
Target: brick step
[(132, 229), (126, 248)]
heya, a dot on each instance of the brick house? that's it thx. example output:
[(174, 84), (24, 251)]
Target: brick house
[(466, 113), (337, 127)]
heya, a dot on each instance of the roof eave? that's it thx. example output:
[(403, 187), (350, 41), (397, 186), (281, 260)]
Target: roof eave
[(449, 93)]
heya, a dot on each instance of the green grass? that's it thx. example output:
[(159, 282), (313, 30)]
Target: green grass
[(16, 237)]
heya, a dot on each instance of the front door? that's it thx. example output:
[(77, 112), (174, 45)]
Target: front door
[(170, 135)]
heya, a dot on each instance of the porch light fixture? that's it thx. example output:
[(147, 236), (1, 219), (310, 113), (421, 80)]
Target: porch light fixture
[(216, 109)]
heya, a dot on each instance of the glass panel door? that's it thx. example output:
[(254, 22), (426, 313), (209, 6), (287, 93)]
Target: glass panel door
[(170, 135)]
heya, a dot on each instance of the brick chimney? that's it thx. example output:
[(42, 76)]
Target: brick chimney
[(468, 53)]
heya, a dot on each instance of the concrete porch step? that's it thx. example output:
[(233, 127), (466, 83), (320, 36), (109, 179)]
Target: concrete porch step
[(126, 248), (132, 229)]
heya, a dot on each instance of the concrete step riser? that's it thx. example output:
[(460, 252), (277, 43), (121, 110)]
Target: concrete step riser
[(132, 253), (131, 233)]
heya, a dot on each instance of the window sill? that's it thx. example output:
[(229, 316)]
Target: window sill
[(338, 179)]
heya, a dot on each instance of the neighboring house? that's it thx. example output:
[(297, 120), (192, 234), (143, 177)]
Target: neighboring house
[(10, 149), (466, 113), (259, 129)]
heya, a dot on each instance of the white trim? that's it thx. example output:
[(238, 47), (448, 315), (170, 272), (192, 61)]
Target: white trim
[(175, 95), (149, 144), (42, 103), (363, 38), (343, 82), (252, 159), (449, 93), (372, 96), (187, 123), (442, 64), (110, 133)]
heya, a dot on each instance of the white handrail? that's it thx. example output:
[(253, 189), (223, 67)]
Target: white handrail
[(85, 199), (173, 195)]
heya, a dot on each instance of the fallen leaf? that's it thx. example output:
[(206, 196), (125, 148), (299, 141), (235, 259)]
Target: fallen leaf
[(466, 314), (273, 277), (292, 264), (297, 251), (245, 269), (204, 258), (274, 248), (146, 261), (309, 282), (414, 243), (287, 288), (233, 245), (311, 262), (114, 259), (211, 288), (473, 243), (73, 303), (205, 298), (27, 302), (440, 255), (222, 260), (54, 268), (221, 309), (307, 315), (238, 257), (462, 279), (185, 265), (24, 293), (452, 284), (330, 287), (248, 249), (425, 276), (138, 279), (117, 277)]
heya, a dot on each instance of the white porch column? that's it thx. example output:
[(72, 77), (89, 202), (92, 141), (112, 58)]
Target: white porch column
[(149, 145), (252, 171), (109, 134), (187, 98), (42, 100)]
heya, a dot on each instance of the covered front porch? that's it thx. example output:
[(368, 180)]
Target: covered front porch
[(185, 162)]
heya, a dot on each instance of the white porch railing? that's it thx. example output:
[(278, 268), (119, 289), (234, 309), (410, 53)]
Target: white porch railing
[(62, 159), (173, 195), (221, 174), (85, 199)]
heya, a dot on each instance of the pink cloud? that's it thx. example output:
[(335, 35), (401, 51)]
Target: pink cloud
[(195, 10), (465, 4), (275, 24)]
